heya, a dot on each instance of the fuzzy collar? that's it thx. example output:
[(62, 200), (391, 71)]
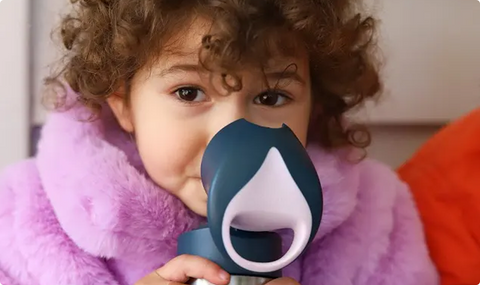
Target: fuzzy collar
[(108, 206)]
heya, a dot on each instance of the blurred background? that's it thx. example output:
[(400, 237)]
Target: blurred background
[(431, 73)]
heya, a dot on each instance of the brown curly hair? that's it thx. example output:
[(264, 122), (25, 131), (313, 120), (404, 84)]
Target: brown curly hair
[(107, 41)]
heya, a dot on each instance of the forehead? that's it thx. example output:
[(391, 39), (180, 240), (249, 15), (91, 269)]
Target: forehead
[(185, 45), (187, 41)]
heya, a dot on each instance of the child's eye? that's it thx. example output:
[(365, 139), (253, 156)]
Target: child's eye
[(190, 94), (271, 98)]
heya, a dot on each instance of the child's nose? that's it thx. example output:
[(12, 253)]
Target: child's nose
[(226, 114)]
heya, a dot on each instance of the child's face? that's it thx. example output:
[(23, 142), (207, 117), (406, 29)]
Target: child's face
[(175, 109)]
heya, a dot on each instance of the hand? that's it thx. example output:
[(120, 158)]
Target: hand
[(180, 269), (283, 281)]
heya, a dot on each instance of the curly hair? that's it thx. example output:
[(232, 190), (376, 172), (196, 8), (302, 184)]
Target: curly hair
[(108, 41)]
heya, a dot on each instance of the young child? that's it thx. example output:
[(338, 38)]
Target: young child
[(149, 82)]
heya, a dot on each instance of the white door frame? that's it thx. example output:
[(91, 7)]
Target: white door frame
[(14, 81)]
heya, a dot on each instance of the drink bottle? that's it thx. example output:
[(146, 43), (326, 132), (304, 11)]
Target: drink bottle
[(259, 181)]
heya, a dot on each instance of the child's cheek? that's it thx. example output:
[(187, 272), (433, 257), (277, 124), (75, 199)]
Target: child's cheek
[(170, 149)]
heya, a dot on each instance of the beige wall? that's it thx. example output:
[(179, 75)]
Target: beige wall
[(14, 81), (394, 144)]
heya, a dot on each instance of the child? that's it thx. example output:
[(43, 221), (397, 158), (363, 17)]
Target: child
[(107, 196)]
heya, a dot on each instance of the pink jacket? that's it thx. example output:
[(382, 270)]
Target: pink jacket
[(83, 212)]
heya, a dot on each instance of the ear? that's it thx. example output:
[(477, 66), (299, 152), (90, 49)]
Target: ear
[(121, 110)]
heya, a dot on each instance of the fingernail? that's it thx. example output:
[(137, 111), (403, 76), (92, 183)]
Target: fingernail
[(223, 275)]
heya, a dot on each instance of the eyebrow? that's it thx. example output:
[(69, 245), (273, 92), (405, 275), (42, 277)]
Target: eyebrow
[(274, 75), (285, 75), (182, 68)]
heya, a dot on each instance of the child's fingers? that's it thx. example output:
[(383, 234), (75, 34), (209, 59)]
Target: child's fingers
[(155, 279), (184, 267), (283, 281)]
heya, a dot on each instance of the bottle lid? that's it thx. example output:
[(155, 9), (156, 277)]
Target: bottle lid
[(254, 246), (260, 179)]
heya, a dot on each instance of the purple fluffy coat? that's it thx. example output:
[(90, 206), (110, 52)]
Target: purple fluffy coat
[(83, 212)]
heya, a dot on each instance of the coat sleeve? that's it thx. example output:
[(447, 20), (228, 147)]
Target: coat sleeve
[(9, 256), (6, 280), (381, 243), (34, 250)]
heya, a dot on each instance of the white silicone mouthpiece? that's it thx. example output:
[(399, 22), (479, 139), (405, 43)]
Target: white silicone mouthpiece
[(270, 201)]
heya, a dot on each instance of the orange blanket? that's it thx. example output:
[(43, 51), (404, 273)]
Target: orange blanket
[(445, 179)]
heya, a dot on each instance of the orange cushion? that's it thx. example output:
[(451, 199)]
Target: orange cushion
[(444, 177)]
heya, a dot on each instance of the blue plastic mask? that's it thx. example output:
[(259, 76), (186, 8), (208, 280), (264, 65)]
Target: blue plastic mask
[(260, 179)]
